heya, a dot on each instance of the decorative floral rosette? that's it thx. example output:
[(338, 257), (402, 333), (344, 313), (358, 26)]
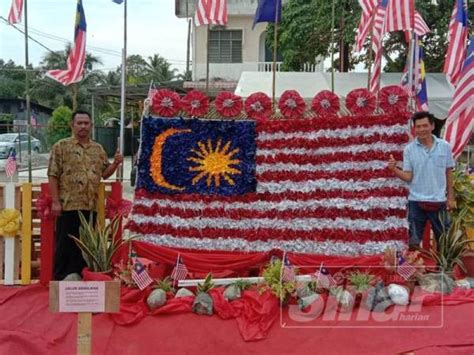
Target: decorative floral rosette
[(393, 99), (360, 102), (325, 103), (291, 104), (228, 104), (195, 103), (258, 106), (166, 103)]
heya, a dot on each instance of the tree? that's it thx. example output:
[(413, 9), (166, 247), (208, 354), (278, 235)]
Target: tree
[(12, 79), (59, 124)]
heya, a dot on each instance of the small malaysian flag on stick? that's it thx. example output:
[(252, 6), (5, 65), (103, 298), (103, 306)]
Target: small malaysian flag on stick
[(180, 270), (288, 272), (140, 275), (405, 269), (10, 164), (324, 278)]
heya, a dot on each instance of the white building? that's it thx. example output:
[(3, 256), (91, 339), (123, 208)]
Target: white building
[(233, 48)]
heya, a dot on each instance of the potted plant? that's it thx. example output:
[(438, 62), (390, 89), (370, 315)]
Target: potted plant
[(203, 302), (157, 297), (360, 282), (98, 244)]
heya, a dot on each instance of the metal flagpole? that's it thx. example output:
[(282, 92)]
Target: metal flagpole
[(27, 90), (333, 15), (207, 58), (123, 91), (411, 84), (275, 51)]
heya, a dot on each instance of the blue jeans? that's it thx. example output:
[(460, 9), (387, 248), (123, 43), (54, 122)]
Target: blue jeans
[(417, 219)]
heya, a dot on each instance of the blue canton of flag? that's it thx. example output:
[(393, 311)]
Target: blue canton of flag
[(197, 156), (140, 275), (118, 1), (266, 10)]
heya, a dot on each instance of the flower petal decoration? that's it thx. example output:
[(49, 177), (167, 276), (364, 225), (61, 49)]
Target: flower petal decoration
[(291, 104), (361, 102), (195, 103), (9, 222), (228, 104), (258, 106), (325, 103), (393, 99), (166, 103)]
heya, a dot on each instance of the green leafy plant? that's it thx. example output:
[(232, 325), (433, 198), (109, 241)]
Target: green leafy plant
[(451, 245), (98, 244), (464, 194), (164, 284), (242, 284), (207, 285), (273, 281), (361, 280)]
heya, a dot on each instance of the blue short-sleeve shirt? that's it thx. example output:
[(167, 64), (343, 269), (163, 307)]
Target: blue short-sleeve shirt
[(429, 169)]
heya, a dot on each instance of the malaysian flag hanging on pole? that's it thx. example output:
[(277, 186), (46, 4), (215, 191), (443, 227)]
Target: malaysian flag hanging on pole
[(460, 122), (366, 17), (16, 10), (210, 12), (10, 164), (315, 186), (400, 15), (77, 56), (458, 32), (180, 271), (377, 36), (288, 272)]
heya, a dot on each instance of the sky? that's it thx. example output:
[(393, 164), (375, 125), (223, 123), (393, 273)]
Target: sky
[(152, 27)]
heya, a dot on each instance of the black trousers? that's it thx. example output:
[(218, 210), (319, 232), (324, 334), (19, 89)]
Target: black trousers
[(67, 256)]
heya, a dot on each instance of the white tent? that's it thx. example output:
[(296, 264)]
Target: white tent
[(440, 92)]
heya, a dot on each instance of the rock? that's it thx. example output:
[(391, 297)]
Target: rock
[(436, 282), (378, 299), (203, 304), (302, 290), (157, 298), (398, 294), (345, 300), (308, 300), (183, 292), (232, 292), (73, 277)]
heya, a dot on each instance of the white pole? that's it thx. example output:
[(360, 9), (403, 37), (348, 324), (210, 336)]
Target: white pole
[(252, 280), (123, 92), (10, 252)]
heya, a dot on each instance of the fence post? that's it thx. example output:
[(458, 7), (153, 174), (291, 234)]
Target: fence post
[(10, 252), (47, 244), (26, 197)]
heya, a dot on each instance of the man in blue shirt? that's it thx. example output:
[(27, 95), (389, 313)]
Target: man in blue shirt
[(428, 169)]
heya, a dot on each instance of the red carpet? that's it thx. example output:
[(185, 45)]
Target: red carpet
[(27, 327)]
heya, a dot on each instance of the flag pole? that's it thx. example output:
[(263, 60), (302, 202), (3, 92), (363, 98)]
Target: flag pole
[(207, 58), (411, 53), (275, 45), (369, 55), (27, 93), (333, 15), (123, 90)]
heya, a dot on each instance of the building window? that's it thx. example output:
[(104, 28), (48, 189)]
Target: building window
[(225, 46)]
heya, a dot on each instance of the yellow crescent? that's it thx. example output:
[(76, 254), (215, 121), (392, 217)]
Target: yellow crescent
[(156, 158)]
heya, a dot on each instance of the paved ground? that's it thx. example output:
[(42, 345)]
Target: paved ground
[(39, 172)]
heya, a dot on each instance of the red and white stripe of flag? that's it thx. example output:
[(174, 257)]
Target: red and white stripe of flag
[(368, 9), (421, 28), (457, 40), (10, 165), (211, 12), (14, 16), (400, 15), (377, 36), (458, 132)]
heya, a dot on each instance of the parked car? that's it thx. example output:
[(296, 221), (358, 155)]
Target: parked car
[(10, 141)]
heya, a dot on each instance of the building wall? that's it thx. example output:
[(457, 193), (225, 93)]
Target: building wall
[(251, 50)]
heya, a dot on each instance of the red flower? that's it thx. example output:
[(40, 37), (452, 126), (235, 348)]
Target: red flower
[(325, 103), (291, 104), (195, 103), (393, 99), (228, 104), (166, 103), (360, 102), (258, 106)]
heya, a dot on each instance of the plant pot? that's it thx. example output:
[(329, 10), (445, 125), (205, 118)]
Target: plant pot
[(468, 260)]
